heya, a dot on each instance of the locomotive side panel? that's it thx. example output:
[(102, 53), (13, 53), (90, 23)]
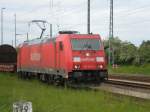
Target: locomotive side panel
[(24, 54), (35, 56), (48, 55)]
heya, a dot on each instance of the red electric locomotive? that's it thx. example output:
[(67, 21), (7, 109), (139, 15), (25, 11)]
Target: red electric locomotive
[(69, 56)]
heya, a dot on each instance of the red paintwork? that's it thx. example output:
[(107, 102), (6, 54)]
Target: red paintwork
[(48, 55)]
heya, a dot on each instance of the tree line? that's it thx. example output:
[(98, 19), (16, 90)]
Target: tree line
[(123, 52)]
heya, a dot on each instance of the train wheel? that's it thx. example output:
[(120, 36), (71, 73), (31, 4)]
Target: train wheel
[(38, 76), (50, 79), (43, 77), (25, 75), (29, 75), (22, 75), (58, 80)]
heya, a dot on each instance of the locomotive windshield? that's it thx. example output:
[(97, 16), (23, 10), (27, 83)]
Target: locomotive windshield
[(85, 44)]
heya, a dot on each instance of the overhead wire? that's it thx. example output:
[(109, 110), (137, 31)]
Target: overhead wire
[(69, 11)]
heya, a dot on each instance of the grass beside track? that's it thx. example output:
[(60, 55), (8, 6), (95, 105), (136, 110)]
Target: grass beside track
[(138, 70), (46, 98)]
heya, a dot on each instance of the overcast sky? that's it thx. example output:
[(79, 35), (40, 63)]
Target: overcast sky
[(131, 17)]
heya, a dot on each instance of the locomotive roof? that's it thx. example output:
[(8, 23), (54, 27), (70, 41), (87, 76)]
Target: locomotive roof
[(38, 41), (46, 40)]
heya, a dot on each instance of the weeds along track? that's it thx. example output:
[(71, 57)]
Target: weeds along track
[(123, 87)]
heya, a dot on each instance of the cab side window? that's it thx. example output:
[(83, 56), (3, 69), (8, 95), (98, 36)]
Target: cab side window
[(60, 46)]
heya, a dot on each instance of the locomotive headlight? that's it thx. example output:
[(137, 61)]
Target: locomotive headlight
[(100, 59), (76, 59), (77, 66), (87, 54)]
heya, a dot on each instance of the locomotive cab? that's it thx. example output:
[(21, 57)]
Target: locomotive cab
[(88, 58), (85, 57)]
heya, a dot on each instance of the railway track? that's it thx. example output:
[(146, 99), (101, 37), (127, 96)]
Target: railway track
[(140, 78), (118, 82), (129, 83)]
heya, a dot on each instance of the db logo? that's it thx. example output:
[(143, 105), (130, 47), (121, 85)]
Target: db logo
[(35, 57), (22, 107)]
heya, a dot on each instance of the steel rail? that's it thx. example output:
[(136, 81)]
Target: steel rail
[(127, 83)]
